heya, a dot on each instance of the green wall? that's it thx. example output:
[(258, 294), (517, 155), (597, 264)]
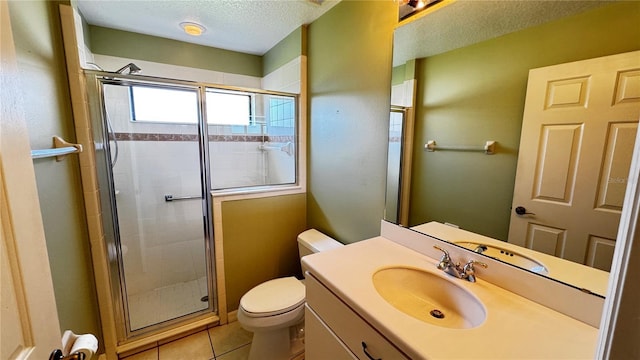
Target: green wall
[(349, 73), (112, 42), (284, 51), (38, 40), (477, 93), (130, 45), (260, 241), (404, 72), (397, 74)]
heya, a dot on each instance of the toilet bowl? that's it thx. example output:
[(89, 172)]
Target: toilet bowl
[(274, 310)]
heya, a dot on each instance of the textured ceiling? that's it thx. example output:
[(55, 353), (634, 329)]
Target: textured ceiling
[(255, 26), (466, 22), (248, 26)]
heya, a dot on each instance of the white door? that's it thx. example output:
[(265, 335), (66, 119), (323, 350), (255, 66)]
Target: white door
[(29, 321), (578, 132)]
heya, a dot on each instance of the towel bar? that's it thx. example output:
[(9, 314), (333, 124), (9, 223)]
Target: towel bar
[(170, 197), (60, 149), (488, 148)]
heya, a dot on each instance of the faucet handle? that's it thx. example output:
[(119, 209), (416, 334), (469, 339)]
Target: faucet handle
[(445, 252), (469, 272), (470, 263), (445, 260)]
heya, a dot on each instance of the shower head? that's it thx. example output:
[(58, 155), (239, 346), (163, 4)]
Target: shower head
[(130, 67), (95, 66)]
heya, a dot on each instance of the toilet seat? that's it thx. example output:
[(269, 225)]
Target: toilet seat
[(273, 297)]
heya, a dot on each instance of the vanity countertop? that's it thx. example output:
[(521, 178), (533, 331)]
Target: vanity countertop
[(514, 328)]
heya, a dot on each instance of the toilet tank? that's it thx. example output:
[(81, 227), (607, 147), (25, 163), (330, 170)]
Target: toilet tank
[(312, 241)]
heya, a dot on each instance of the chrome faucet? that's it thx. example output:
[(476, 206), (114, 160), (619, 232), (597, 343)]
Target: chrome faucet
[(468, 272), (480, 249), (465, 272), (445, 260)]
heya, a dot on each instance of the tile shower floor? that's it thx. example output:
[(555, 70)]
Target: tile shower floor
[(227, 342), (165, 303)]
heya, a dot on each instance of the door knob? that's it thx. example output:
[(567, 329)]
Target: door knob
[(520, 210)]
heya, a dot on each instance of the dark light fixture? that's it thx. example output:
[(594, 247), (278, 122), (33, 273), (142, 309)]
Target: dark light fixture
[(409, 8)]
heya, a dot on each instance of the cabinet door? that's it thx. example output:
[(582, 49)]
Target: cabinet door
[(358, 335), (320, 342)]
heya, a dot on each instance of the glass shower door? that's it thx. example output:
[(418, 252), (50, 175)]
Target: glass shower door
[(394, 166), (159, 207)]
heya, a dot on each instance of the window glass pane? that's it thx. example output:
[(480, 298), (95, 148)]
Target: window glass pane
[(252, 136), (260, 153), (158, 104), (281, 111), (228, 108)]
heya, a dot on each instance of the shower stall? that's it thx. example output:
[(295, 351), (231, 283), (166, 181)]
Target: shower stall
[(158, 142)]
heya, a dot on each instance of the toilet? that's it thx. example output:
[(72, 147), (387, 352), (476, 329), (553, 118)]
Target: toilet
[(274, 310)]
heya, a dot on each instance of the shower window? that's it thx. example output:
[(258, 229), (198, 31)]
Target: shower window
[(252, 135), (165, 105), (281, 111), (229, 108), (259, 153)]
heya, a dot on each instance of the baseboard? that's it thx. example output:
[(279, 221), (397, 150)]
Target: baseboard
[(232, 316)]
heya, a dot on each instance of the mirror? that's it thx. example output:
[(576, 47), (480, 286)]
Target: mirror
[(469, 63)]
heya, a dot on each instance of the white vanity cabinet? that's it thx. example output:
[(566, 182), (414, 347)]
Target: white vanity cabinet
[(321, 342), (345, 310), (334, 331)]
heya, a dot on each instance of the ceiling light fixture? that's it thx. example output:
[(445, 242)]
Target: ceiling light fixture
[(192, 28), (411, 7)]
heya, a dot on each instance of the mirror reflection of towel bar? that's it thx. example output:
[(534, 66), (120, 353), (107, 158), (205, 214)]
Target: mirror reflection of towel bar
[(488, 148), (170, 197)]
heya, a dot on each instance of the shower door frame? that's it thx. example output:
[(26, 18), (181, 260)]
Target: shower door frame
[(96, 80), (126, 340)]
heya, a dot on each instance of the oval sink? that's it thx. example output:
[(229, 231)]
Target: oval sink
[(506, 255), (429, 297)]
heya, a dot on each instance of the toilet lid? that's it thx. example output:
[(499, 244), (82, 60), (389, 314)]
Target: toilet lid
[(274, 297)]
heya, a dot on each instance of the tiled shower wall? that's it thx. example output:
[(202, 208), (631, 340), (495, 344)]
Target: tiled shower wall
[(402, 94), (165, 247)]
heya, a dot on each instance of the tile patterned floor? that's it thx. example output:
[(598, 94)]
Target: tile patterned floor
[(227, 342)]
